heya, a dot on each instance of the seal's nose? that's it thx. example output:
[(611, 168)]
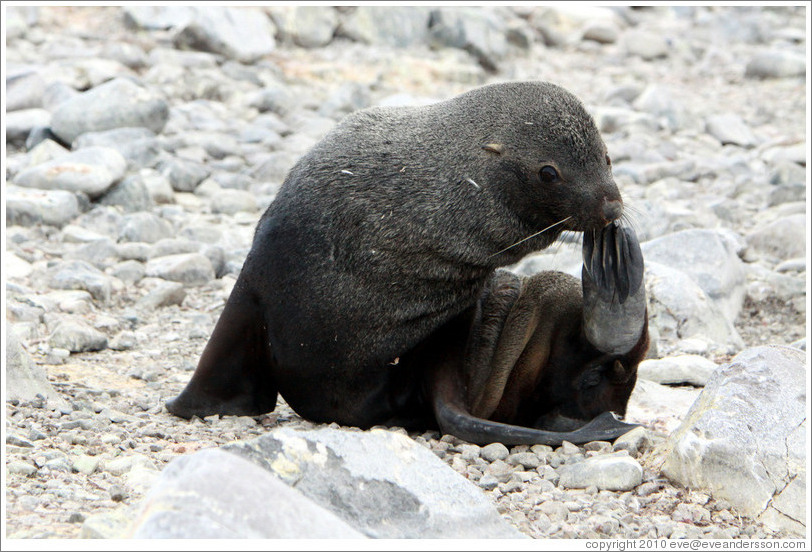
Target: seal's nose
[(612, 210)]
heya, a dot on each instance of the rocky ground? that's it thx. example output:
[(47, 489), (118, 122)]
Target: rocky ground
[(114, 280)]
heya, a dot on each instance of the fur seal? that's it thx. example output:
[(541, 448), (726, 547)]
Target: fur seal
[(371, 294)]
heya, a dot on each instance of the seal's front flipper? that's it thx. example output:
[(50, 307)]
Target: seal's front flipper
[(614, 294), (234, 375)]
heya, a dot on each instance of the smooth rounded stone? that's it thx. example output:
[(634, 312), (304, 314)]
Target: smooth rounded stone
[(137, 145), (172, 246), (81, 275), (661, 101), (387, 25), (123, 464), (16, 268), (130, 194), (24, 91), (19, 124), (730, 128), (750, 453), (307, 26), (90, 170), (774, 64), (186, 268), (183, 175), (682, 369), (44, 151), (232, 201), (679, 308), (601, 31), (114, 104), (17, 467), (130, 271), (646, 44), (501, 470), (781, 239), (57, 93), (128, 54), (31, 207), (614, 472), (157, 17), (244, 34), (144, 227), (163, 294), (157, 185), (797, 264), (635, 442), (275, 167), (477, 31), (349, 97), (76, 336), (494, 452), (527, 460), (710, 257), (79, 234)]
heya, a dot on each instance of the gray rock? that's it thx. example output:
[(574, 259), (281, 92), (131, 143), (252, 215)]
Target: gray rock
[(244, 34), (710, 257), (124, 464), (730, 128), (232, 201), (144, 227), (90, 170), (773, 64), (21, 468), (682, 369), (187, 268), (76, 336), (614, 472), (172, 246), (81, 275), (751, 453), (24, 91), (781, 239), (157, 17), (129, 271), (19, 124), (215, 494), (390, 25), (130, 194), (659, 406), (494, 452), (114, 104), (679, 308), (184, 175), (30, 207), (56, 93), (157, 185), (601, 31), (381, 482), (309, 26), (477, 31), (24, 378), (661, 101), (646, 44), (275, 167), (634, 442), (137, 145)]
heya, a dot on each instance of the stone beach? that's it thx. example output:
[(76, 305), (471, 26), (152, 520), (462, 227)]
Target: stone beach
[(144, 143)]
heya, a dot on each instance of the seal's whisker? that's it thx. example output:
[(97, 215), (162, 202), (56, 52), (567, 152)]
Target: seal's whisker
[(531, 236)]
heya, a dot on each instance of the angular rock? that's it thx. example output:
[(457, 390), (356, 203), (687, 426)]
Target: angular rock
[(391, 25), (244, 34), (745, 438), (682, 369), (130, 194), (729, 128), (310, 26), (661, 407), (184, 175), (614, 472), (494, 451), (216, 494), (90, 170), (114, 104), (661, 101), (81, 275), (781, 239), (381, 482), (30, 207), (477, 31), (678, 308), (187, 268), (710, 257), (76, 336), (157, 17), (24, 378)]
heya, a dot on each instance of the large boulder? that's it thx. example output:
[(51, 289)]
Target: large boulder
[(744, 440), (243, 34), (380, 482)]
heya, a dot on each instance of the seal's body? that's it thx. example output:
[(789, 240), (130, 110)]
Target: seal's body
[(366, 276)]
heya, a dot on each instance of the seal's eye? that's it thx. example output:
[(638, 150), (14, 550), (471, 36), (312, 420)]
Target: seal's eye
[(608, 160), (548, 174), (591, 379)]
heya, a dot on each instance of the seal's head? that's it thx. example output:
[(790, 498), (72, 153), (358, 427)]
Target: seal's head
[(557, 164)]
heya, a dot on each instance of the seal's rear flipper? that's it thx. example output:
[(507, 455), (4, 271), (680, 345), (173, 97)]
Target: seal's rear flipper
[(234, 375), (454, 419)]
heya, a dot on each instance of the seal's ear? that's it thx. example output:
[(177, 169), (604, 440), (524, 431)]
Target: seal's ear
[(498, 149)]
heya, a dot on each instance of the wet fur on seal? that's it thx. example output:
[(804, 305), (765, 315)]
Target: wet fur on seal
[(367, 271)]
